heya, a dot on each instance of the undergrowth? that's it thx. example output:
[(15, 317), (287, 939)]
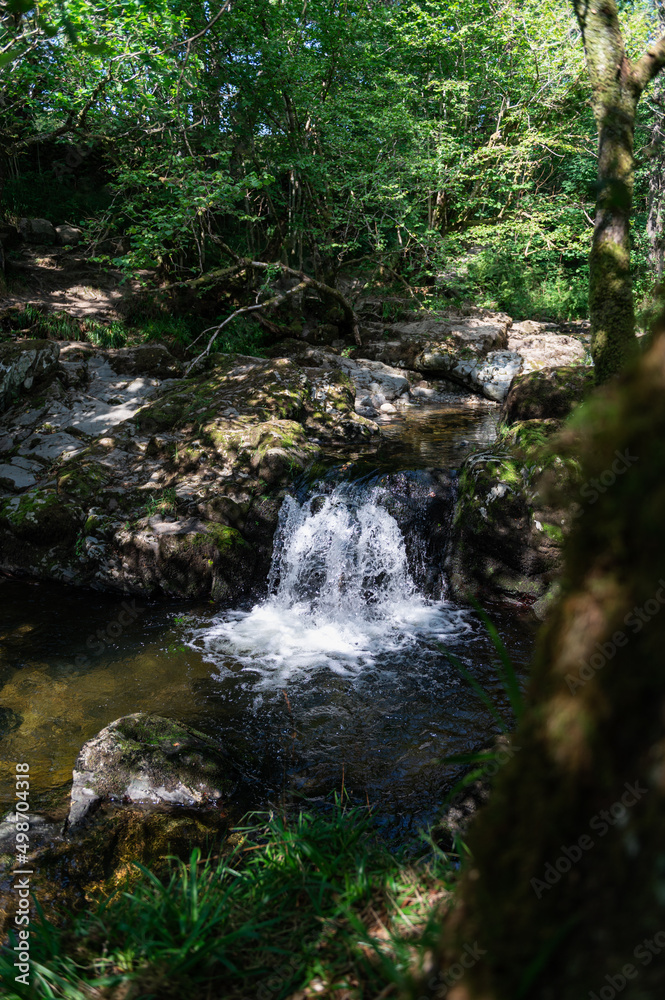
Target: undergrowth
[(243, 337), (311, 903)]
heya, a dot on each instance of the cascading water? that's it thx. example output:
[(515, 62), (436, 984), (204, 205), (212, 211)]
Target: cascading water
[(341, 594)]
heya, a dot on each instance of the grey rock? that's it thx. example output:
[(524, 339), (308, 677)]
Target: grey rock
[(19, 474), (541, 349), (490, 374), (51, 446), (375, 383), (38, 231), (21, 362), (152, 761), (68, 236)]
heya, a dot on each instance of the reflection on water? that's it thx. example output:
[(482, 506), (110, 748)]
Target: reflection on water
[(384, 723), (438, 435)]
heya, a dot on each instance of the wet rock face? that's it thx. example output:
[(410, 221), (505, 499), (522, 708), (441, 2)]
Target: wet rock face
[(512, 513), (120, 474), (422, 503), (516, 505), (149, 760)]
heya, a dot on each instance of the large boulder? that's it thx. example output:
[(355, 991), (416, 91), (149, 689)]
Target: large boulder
[(68, 236), (541, 347), (146, 359), (481, 351), (21, 363), (491, 375), (431, 344), (149, 760), (38, 231), (547, 394), (498, 546), (514, 508)]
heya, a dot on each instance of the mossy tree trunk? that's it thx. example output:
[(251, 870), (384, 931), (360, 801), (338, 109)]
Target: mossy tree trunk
[(616, 85), (656, 154), (565, 896)]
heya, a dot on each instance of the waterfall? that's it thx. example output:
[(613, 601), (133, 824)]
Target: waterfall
[(339, 556), (341, 594)]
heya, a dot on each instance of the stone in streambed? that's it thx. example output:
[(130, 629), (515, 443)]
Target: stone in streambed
[(149, 760)]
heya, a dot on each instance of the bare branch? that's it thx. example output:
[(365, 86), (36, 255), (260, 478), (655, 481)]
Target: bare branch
[(274, 301), (244, 263)]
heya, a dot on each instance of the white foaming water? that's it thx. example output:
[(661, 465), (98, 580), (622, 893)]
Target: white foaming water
[(341, 596)]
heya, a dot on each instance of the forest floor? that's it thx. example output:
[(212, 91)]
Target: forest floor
[(63, 278)]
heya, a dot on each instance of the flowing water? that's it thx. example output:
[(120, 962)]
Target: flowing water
[(336, 677)]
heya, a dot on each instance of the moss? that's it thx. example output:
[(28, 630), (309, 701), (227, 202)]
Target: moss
[(224, 536), (593, 725), (550, 393), (41, 517), (84, 479), (553, 531)]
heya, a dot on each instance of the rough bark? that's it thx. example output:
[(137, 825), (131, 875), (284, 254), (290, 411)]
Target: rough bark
[(567, 880), (656, 211), (616, 87)]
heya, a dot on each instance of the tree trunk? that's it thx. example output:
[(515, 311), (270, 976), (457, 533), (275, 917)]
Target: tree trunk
[(656, 216), (564, 898), (656, 203), (614, 100)]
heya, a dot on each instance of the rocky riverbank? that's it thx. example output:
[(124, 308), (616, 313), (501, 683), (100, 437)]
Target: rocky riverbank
[(119, 472)]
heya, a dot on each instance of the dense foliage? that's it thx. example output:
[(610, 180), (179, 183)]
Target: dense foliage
[(450, 143)]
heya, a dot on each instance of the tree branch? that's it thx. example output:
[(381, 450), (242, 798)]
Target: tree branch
[(243, 263), (650, 64), (274, 301)]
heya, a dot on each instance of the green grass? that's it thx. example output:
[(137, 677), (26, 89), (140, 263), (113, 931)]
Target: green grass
[(307, 902), (241, 337), (164, 502), (38, 324)]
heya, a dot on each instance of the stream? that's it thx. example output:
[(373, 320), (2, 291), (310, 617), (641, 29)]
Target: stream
[(334, 678)]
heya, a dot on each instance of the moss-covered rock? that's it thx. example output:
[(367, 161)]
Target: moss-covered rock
[(41, 517), (100, 857), (514, 507), (181, 497), (147, 759), (550, 393)]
